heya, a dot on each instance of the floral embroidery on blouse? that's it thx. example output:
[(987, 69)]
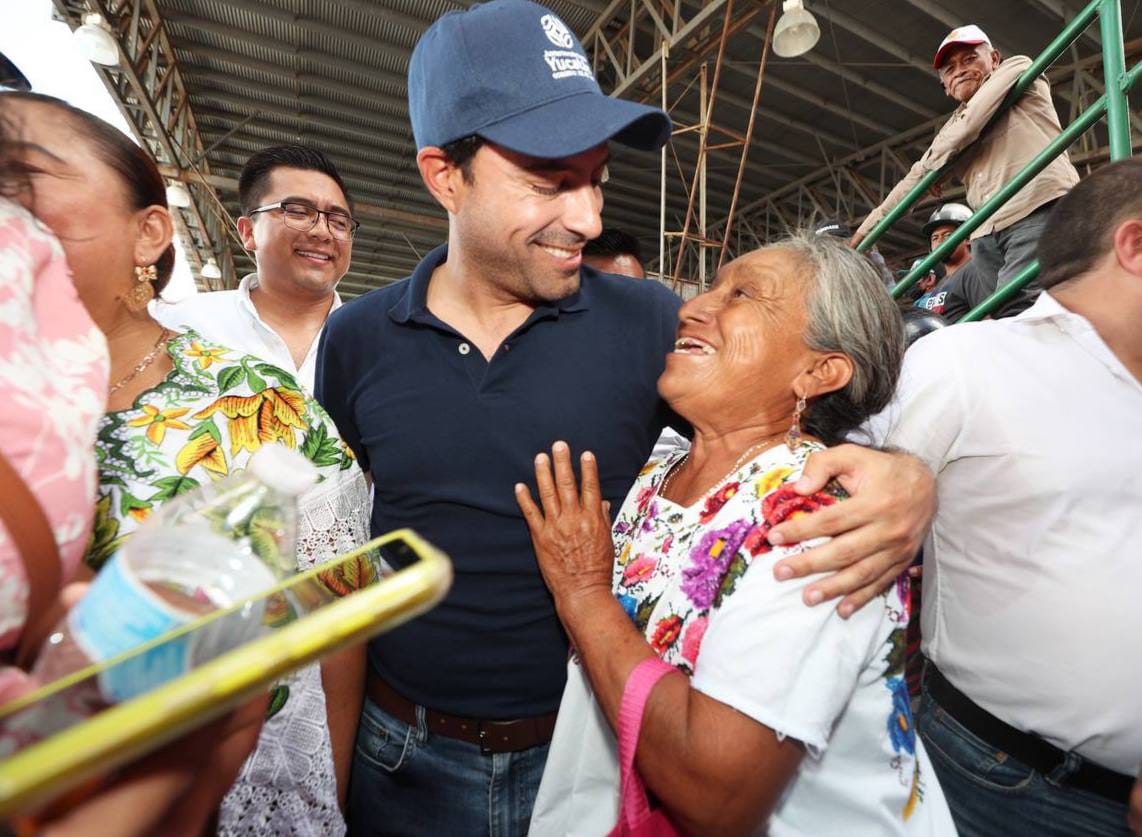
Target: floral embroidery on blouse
[(204, 420), (901, 726), (671, 604), (671, 600)]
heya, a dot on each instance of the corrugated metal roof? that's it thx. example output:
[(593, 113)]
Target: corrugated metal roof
[(333, 74)]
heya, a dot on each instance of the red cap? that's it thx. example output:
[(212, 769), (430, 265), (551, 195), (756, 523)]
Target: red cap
[(969, 34)]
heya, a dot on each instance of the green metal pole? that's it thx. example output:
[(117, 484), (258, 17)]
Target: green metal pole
[(1029, 273), (1060, 44), (1045, 59), (1114, 73), (1022, 279), (898, 211), (1041, 160)]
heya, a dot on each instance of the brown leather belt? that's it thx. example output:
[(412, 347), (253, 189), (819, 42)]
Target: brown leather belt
[(489, 736)]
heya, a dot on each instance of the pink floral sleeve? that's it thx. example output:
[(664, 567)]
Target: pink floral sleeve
[(53, 386)]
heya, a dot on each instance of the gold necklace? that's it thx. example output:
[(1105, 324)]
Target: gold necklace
[(758, 448), (147, 360)]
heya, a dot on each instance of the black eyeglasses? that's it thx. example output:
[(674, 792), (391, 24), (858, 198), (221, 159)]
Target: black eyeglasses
[(303, 217)]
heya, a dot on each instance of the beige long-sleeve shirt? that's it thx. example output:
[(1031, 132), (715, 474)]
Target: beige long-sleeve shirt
[(1016, 137)]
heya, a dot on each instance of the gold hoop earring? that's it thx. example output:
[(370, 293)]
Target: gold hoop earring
[(793, 437), (143, 291)]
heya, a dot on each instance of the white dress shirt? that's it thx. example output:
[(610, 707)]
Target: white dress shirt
[(230, 319), (1033, 566)]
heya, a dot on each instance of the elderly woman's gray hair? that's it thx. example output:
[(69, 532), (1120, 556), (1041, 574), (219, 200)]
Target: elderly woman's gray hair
[(849, 311)]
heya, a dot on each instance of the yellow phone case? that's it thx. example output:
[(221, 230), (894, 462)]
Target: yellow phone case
[(127, 731)]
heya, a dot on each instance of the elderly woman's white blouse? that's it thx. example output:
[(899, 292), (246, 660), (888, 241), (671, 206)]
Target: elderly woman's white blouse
[(697, 581)]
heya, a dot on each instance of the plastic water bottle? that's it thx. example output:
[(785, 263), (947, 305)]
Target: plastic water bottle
[(206, 549)]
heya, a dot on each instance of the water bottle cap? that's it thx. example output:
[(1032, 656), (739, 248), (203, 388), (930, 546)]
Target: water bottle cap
[(284, 469)]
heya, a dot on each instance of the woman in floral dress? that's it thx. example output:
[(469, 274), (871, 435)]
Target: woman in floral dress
[(786, 719), (204, 420), (183, 411)]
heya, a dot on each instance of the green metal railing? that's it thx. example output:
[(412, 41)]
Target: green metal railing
[(1113, 104)]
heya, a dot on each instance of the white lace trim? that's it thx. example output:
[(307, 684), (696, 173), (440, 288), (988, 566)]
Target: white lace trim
[(288, 784), (333, 519)]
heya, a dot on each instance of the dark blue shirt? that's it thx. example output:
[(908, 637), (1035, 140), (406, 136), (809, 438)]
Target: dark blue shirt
[(447, 434)]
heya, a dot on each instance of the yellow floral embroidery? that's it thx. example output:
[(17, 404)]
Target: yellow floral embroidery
[(158, 421), (772, 480), (206, 356), (268, 416), (914, 795), (203, 451)]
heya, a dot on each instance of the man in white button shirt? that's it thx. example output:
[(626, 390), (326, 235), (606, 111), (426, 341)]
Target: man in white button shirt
[(297, 220), (1032, 700)]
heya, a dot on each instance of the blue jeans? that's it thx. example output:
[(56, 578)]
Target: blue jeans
[(990, 793), (407, 782)]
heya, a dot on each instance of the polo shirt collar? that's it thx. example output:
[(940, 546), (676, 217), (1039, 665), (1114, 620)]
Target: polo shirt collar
[(413, 303)]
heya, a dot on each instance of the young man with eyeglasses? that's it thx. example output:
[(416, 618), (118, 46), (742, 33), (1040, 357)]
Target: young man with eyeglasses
[(297, 221)]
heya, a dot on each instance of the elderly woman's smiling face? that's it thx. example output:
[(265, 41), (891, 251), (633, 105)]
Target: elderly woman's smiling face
[(740, 353)]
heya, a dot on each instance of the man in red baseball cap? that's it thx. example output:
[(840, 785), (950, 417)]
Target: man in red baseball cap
[(970, 35), (973, 73)]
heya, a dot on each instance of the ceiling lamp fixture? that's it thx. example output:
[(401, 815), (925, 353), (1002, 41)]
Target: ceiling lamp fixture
[(95, 41), (797, 31), (210, 270), (178, 195)]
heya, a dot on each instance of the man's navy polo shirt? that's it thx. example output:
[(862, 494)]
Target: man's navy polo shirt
[(447, 435)]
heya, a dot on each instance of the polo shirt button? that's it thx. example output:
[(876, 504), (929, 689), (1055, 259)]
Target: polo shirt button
[(464, 348)]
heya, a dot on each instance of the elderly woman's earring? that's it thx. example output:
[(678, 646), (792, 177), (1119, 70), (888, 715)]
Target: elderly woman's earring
[(793, 437), (143, 291)]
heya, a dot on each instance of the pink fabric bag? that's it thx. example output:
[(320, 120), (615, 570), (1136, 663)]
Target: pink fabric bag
[(635, 817)]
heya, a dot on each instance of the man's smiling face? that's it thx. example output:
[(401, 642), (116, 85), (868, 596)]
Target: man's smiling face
[(525, 220), (965, 68), (312, 262)]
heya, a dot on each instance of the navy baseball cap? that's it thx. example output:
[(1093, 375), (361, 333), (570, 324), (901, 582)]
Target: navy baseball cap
[(513, 73), (834, 227)]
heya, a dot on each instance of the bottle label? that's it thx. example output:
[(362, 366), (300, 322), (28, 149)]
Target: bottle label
[(119, 613)]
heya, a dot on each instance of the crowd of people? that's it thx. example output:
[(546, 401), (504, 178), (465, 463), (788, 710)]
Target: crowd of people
[(681, 533)]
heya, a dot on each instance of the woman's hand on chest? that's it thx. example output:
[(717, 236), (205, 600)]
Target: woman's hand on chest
[(570, 527)]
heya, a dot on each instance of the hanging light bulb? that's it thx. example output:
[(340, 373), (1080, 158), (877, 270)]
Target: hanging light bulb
[(95, 41), (797, 31), (210, 271), (178, 195)]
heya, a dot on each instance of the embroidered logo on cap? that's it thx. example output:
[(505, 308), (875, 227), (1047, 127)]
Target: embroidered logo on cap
[(564, 62), (557, 32)]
